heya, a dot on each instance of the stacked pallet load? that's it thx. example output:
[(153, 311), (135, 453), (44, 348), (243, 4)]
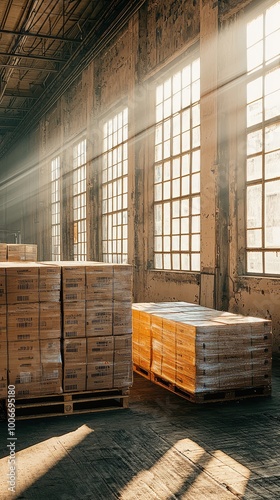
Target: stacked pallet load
[(33, 328), (66, 335), (203, 354)]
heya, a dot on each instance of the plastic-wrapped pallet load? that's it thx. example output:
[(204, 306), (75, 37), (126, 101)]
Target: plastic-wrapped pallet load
[(202, 350)]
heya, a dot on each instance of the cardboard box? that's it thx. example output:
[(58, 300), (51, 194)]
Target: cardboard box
[(49, 283), (100, 349), (27, 390), (50, 351), (3, 323), (123, 376), (123, 342), (99, 375), (31, 253), (15, 252), (122, 287), (100, 344), (99, 318), (3, 355), (3, 252), (3, 287), (21, 252), (74, 378), (3, 387), (73, 319), (74, 351), (99, 282), (122, 318), (23, 322), (50, 320), (22, 283), (23, 354), (122, 356), (73, 281), (51, 380), (25, 375)]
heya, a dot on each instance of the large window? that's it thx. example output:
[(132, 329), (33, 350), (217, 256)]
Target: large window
[(79, 200), (55, 207), (177, 171), (115, 189), (263, 143)]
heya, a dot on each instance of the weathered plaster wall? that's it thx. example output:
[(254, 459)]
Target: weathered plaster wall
[(170, 26), (113, 72)]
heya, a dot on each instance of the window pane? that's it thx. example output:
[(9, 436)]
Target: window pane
[(254, 206), (272, 163), (254, 262), (254, 168), (272, 262), (272, 214)]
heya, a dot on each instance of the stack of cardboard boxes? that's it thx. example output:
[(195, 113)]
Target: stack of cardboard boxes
[(97, 325), (65, 327), (33, 329), (200, 349), (73, 327)]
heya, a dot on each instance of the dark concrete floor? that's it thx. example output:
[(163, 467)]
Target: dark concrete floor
[(162, 447)]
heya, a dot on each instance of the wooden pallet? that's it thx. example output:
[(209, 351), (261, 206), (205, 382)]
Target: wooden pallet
[(72, 403), (212, 396), (142, 371)]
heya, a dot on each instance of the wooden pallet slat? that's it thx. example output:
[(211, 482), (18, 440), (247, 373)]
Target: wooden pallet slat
[(142, 371), (55, 405), (211, 396)]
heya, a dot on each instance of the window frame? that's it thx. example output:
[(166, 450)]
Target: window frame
[(253, 158), (56, 204), (170, 72), (79, 199), (114, 186)]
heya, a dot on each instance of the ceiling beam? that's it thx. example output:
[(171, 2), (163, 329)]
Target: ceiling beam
[(19, 93), (29, 68), (5, 117), (40, 35), (33, 56), (7, 127), (11, 107)]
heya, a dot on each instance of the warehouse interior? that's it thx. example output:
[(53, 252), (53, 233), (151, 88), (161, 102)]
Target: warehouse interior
[(147, 133)]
